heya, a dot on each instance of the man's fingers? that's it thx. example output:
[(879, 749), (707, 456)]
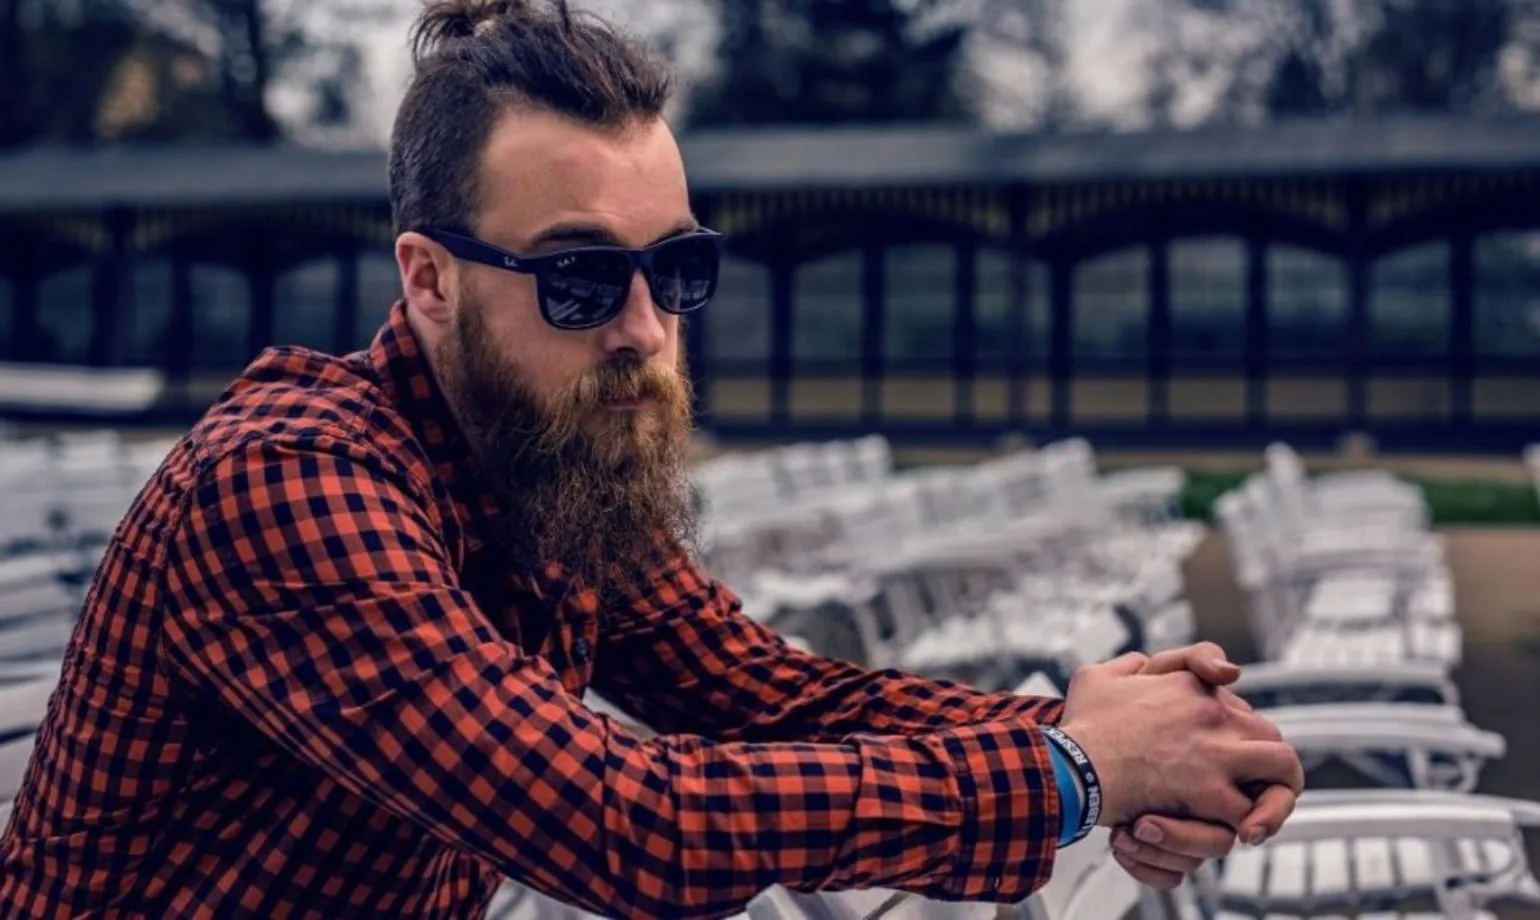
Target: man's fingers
[(1229, 698), (1126, 665), (1205, 659), (1221, 803), (1255, 727), (1182, 836), (1271, 762), (1272, 808), (1151, 856), (1159, 879)]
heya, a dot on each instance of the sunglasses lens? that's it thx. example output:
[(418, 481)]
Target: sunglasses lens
[(585, 289), (684, 273)]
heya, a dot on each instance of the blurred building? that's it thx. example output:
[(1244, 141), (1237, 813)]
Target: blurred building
[(1218, 287)]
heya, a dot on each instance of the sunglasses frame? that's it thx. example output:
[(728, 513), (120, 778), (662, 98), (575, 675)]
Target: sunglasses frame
[(471, 249)]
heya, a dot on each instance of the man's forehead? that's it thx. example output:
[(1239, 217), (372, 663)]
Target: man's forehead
[(541, 169)]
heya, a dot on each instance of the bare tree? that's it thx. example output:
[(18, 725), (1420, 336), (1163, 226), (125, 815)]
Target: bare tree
[(1319, 57), (255, 44)]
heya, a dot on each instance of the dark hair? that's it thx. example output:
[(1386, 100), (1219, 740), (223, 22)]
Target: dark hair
[(473, 60)]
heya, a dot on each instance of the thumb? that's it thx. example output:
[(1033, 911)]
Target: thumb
[(1216, 672), (1126, 665), (1206, 660)]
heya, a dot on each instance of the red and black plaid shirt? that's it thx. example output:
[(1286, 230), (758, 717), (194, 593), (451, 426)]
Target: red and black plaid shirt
[(299, 688)]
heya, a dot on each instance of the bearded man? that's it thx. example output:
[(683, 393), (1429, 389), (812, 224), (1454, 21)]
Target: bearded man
[(333, 664)]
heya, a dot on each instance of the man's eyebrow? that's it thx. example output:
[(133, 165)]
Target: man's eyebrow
[(582, 233)]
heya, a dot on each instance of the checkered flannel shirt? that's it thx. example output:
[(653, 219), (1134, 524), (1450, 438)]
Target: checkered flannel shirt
[(300, 688)]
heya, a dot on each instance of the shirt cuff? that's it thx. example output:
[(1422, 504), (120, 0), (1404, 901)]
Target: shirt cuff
[(1011, 816)]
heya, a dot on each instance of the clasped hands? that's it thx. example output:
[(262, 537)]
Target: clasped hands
[(1187, 768)]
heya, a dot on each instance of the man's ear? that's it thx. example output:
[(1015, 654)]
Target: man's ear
[(428, 276)]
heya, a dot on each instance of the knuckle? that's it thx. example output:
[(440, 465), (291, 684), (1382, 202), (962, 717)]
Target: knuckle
[(1263, 728), (1211, 712)]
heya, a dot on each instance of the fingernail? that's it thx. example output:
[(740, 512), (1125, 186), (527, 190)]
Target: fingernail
[(1255, 836), (1125, 844), (1217, 663), (1149, 833)]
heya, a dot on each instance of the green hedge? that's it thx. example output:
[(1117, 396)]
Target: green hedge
[(1451, 501)]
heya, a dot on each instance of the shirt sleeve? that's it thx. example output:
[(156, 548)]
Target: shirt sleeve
[(679, 654), (309, 592)]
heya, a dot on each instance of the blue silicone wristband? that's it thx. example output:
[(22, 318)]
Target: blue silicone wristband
[(1091, 786), (1069, 796)]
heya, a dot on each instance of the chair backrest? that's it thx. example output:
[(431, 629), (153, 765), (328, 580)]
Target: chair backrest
[(23, 706), (871, 523), (42, 637), (1071, 468), (815, 467), (14, 756), (1087, 884), (1446, 823), (30, 587), (737, 485), (1038, 684), (953, 498), (1284, 465), (779, 903), (1020, 479), (873, 458)]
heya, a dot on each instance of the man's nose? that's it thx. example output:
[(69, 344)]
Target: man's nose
[(639, 327)]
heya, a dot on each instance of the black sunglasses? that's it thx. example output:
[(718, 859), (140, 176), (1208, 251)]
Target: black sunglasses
[(586, 287)]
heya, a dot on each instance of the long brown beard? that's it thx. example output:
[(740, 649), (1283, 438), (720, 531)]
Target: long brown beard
[(595, 490)]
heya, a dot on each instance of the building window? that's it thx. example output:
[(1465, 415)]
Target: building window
[(65, 317), (221, 317), (919, 285), (738, 318), (1208, 299), (305, 305), (147, 328), (1507, 297), (827, 310), (1307, 305), (1409, 303), (379, 287), (1111, 308), (992, 311)]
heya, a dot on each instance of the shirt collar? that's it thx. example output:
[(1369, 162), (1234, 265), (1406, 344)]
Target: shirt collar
[(402, 368), (404, 372)]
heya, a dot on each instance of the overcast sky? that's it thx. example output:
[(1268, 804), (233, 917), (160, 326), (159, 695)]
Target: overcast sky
[(1103, 63)]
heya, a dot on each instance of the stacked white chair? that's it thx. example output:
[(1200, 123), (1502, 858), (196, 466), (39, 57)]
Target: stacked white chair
[(1343, 573), (920, 565), (23, 705)]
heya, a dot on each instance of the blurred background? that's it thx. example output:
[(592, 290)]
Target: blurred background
[(1172, 231), (1157, 223)]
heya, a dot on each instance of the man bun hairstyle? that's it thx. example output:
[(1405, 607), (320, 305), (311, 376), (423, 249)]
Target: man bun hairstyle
[(473, 60)]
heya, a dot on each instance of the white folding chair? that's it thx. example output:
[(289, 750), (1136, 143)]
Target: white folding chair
[(22, 708), (1376, 850), (1273, 683), (1088, 885), (780, 903), (517, 902)]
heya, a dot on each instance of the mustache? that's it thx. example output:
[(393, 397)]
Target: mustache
[(624, 379)]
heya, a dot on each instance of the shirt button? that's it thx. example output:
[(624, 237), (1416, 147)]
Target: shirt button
[(580, 650)]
